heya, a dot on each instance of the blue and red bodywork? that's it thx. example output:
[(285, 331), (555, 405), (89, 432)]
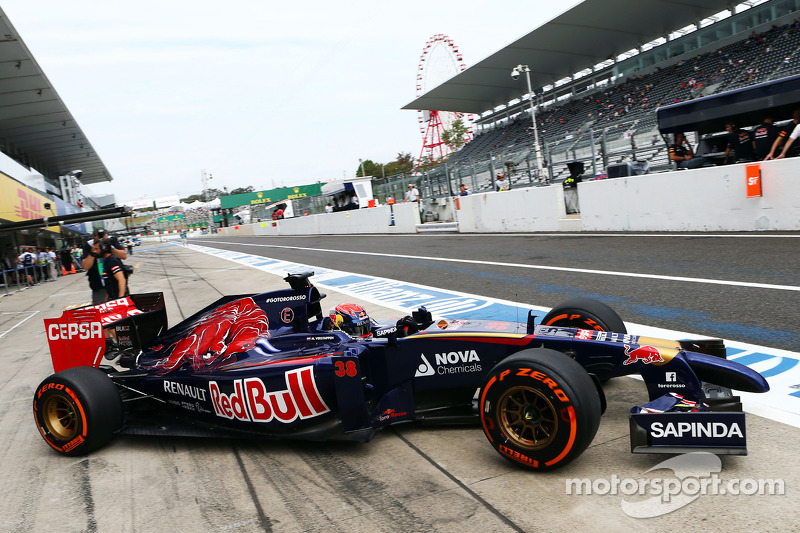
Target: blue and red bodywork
[(266, 365)]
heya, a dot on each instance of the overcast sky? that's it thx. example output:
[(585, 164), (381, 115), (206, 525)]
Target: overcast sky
[(256, 92)]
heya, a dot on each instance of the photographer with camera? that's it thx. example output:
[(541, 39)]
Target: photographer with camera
[(92, 261)]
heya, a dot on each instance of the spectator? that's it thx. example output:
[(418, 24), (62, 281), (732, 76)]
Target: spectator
[(787, 131), (740, 142), (66, 258), (76, 257), (329, 208), (412, 195), (501, 183), (54, 264), (43, 259), (764, 137), (116, 284), (28, 261), (464, 191), (681, 152), (792, 137), (92, 262)]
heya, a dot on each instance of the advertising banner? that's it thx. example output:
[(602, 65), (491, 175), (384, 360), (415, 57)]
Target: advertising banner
[(167, 201), (171, 218), (18, 202), (271, 196)]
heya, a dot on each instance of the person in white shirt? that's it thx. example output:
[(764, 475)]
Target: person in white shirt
[(412, 195)]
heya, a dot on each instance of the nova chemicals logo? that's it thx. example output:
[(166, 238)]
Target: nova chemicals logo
[(424, 368), (450, 363)]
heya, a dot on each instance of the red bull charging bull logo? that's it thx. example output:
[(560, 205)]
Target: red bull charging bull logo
[(644, 354)]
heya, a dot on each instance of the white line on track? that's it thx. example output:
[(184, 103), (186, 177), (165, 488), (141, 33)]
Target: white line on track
[(583, 235), (32, 314), (536, 267)]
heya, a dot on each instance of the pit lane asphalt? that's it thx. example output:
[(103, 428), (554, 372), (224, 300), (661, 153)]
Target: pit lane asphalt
[(409, 478), (764, 314)]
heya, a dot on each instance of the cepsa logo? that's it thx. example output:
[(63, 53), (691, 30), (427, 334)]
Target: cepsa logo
[(251, 402), (72, 330)]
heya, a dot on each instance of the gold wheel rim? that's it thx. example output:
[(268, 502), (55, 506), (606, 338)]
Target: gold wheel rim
[(60, 417), (527, 417)]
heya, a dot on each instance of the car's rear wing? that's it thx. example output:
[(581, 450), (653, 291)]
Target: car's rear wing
[(80, 337)]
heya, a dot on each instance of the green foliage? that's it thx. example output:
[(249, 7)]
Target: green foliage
[(243, 190), (370, 169), (455, 136), (403, 163)]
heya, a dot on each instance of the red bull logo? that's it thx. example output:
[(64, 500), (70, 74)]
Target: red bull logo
[(644, 354)]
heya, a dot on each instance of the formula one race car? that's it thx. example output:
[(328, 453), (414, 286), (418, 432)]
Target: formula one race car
[(273, 366)]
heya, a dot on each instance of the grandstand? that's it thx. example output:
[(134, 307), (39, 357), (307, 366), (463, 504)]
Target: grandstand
[(605, 115)]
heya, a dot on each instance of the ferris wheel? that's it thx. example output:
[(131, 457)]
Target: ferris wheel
[(440, 61)]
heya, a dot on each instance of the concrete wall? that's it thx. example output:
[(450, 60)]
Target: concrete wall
[(709, 199), (712, 199), (372, 220), (517, 210)]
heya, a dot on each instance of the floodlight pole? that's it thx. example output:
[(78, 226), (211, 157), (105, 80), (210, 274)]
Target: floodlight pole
[(527, 71)]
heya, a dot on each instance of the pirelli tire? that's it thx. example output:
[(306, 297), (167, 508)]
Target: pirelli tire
[(585, 313), (539, 409), (77, 410)]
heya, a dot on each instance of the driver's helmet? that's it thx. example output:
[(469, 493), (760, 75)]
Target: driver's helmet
[(352, 319)]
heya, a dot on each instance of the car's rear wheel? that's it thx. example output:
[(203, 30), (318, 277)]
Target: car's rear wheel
[(584, 313), (539, 408), (77, 410)]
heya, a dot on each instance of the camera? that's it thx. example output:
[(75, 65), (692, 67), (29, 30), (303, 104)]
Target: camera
[(515, 74)]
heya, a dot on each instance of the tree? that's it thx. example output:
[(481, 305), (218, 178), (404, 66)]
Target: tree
[(455, 136), (428, 161), (212, 193), (243, 190), (370, 168), (403, 163)]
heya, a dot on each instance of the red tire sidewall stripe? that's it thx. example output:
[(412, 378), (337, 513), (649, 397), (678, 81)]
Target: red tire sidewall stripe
[(573, 429), (483, 415), (49, 438)]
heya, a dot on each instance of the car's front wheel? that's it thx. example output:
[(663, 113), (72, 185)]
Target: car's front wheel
[(539, 408)]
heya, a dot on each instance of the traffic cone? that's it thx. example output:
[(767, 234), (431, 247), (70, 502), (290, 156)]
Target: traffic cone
[(72, 270), (63, 271)]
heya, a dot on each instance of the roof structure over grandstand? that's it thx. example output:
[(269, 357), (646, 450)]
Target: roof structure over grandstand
[(36, 128), (589, 33)]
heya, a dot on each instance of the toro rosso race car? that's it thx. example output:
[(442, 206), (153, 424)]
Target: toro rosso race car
[(272, 365)]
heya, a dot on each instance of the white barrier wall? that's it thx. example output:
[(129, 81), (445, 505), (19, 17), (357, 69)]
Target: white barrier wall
[(371, 220), (708, 199), (517, 210)]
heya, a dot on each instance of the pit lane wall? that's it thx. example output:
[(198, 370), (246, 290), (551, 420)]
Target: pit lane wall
[(400, 218), (706, 199)]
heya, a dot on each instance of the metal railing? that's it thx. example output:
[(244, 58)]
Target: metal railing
[(596, 147)]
